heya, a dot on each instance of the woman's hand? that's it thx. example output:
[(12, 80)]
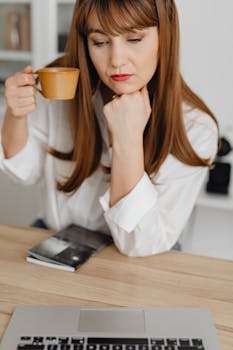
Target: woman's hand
[(20, 93), (127, 116)]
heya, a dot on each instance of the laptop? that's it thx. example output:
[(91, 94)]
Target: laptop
[(110, 328)]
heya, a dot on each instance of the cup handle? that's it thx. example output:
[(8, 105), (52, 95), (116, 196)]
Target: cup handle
[(37, 89), (34, 86)]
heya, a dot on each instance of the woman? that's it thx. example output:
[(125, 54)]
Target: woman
[(128, 156)]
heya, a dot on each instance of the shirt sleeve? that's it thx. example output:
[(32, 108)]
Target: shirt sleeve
[(151, 217), (26, 166)]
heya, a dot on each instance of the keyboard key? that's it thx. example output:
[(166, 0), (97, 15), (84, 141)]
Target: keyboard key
[(157, 341), (25, 338), (63, 340), (169, 347), (77, 340), (52, 347), (143, 347), (119, 347), (38, 339), (184, 341), (91, 347), (30, 347), (197, 341), (51, 338), (77, 346), (190, 347), (171, 341), (117, 341), (104, 347), (128, 347), (156, 347), (65, 346)]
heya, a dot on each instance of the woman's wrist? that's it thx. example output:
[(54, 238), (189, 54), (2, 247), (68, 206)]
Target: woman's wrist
[(129, 142), (9, 114)]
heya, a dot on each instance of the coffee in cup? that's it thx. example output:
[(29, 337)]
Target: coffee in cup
[(58, 83)]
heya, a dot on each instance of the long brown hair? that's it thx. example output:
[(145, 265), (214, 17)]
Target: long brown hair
[(165, 132)]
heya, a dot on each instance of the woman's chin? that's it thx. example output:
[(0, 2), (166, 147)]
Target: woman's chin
[(126, 91)]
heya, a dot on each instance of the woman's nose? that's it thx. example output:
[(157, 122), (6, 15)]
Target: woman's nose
[(118, 55)]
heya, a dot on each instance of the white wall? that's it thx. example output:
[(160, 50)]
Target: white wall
[(207, 65), (19, 205), (207, 53)]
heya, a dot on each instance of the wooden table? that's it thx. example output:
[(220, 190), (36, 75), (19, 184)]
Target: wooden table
[(168, 279)]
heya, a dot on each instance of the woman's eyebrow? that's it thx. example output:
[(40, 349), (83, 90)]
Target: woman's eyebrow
[(101, 31), (96, 30)]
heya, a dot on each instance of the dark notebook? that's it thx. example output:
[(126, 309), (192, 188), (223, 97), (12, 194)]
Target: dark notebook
[(69, 248)]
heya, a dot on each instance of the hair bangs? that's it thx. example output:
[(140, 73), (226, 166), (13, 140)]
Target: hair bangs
[(118, 17)]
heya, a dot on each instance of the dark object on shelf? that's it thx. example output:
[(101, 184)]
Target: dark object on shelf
[(220, 175), (219, 178), (225, 147), (62, 39)]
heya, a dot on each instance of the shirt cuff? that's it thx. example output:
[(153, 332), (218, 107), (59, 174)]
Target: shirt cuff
[(18, 166), (129, 211)]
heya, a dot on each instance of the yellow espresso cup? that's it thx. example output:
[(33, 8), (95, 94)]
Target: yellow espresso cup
[(58, 83)]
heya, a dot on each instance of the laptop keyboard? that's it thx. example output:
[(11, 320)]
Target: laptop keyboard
[(79, 343)]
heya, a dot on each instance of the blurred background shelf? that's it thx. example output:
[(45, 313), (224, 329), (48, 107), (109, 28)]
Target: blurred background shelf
[(48, 23), (47, 37), (13, 55), (15, 1), (68, 2)]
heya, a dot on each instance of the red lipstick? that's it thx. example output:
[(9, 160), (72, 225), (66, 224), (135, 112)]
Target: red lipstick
[(121, 77)]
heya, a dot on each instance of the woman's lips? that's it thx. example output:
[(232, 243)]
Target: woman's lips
[(120, 77)]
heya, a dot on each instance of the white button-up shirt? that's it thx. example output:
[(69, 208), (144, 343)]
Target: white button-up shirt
[(147, 220)]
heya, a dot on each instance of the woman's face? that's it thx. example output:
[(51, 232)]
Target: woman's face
[(126, 62)]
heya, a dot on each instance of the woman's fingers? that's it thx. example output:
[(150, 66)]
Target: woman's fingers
[(145, 94), (20, 93)]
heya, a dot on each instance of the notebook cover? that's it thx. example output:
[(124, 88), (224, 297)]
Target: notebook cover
[(71, 246)]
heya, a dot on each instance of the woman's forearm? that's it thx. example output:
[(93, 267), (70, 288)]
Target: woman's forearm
[(127, 168), (14, 134)]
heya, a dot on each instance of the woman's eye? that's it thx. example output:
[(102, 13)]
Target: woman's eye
[(99, 43), (135, 40)]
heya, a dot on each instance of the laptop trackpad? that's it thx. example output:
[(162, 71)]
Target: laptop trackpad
[(111, 321)]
